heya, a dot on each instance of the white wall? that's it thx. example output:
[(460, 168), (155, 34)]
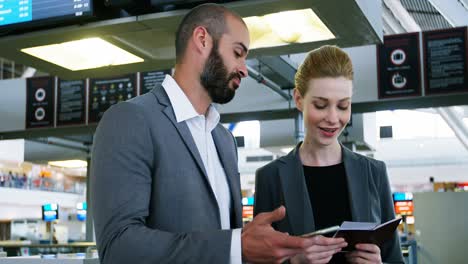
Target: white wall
[(247, 169), (418, 176), (429, 149), (411, 162), (12, 150), (16, 211), (12, 105), (441, 223)]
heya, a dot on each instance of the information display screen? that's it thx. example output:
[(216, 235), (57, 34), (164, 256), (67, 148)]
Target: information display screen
[(50, 212), (18, 13), (402, 196), (81, 211), (404, 207)]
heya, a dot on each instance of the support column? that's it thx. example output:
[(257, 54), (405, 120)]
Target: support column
[(299, 127), (89, 215)]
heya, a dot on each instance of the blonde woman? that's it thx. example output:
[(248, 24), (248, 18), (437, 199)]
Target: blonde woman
[(320, 182)]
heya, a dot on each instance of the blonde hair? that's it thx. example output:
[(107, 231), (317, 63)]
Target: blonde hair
[(326, 61)]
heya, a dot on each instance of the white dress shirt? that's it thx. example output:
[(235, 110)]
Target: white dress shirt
[(201, 127)]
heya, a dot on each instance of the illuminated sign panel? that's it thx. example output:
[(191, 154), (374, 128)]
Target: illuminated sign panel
[(50, 212)]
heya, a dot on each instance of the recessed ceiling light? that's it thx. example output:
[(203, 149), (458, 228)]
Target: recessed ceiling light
[(83, 54), (69, 163), (282, 28)]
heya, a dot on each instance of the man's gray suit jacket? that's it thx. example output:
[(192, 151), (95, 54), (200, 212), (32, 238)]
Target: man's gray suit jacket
[(150, 195), (282, 182)]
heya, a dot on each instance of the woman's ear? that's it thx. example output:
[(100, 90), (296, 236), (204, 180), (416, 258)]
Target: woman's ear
[(298, 99)]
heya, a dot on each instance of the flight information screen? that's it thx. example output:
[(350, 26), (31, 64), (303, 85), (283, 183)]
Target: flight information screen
[(16, 12)]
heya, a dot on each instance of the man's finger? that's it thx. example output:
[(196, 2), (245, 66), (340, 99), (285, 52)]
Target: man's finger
[(365, 255), (319, 255), (318, 248), (369, 248), (292, 242), (287, 253), (270, 217), (327, 241)]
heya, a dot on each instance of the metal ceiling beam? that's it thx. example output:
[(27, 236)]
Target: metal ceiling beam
[(280, 66), (464, 3), (60, 142), (391, 24), (454, 11), (455, 122), (28, 73), (268, 83), (402, 15)]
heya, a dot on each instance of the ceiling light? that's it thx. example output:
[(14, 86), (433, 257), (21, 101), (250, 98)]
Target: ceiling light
[(282, 28), (69, 163), (83, 54)]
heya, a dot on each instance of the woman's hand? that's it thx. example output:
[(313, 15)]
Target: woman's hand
[(321, 250), (365, 254)]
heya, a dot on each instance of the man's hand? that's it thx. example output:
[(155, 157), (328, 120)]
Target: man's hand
[(262, 244), (321, 251), (365, 254)]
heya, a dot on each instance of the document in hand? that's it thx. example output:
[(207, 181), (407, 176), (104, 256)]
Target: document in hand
[(362, 232)]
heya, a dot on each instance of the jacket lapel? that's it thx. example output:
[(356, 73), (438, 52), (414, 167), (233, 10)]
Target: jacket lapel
[(186, 136), (296, 197), (228, 160), (357, 176)]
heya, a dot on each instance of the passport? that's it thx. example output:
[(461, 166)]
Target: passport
[(364, 232)]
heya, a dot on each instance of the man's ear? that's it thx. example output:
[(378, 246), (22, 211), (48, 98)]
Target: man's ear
[(202, 39), (298, 99)]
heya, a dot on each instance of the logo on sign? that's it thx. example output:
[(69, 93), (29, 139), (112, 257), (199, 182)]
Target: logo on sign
[(398, 57), (39, 113), (398, 81), (40, 94)]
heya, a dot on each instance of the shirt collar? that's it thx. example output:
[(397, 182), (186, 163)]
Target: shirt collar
[(183, 108)]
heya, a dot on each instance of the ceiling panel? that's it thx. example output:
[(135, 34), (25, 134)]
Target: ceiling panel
[(152, 36)]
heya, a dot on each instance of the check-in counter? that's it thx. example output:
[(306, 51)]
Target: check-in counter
[(71, 250)]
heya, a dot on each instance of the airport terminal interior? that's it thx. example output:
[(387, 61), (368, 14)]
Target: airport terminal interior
[(409, 106)]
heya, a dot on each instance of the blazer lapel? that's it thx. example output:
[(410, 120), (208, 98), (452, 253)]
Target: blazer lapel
[(228, 160), (184, 133), (296, 197), (357, 176)]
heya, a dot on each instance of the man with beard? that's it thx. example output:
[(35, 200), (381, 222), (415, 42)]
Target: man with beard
[(165, 184)]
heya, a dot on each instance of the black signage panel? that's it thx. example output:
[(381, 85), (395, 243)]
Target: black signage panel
[(149, 80), (398, 62), (445, 60), (40, 99), (71, 102), (106, 92)]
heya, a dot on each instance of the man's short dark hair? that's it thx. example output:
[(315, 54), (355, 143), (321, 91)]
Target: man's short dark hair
[(211, 16)]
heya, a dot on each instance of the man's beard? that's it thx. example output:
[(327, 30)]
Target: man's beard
[(215, 78)]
